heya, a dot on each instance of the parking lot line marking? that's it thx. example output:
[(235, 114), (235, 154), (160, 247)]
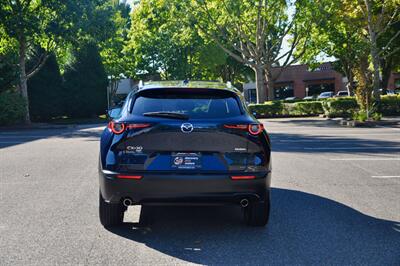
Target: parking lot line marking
[(365, 159), (386, 176), (351, 148)]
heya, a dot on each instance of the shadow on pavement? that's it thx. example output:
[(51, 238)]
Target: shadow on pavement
[(306, 122), (303, 143), (10, 138), (303, 229)]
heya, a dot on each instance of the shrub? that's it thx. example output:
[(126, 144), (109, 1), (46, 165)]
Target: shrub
[(46, 94), (340, 107), (12, 108), (360, 116), (267, 109), (86, 84), (390, 105), (307, 108)]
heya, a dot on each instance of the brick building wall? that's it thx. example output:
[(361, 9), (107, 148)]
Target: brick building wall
[(299, 81)]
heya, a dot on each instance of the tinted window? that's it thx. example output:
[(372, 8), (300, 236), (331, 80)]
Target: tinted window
[(195, 104)]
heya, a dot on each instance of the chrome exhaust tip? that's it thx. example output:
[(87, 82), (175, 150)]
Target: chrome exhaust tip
[(244, 203), (127, 202)]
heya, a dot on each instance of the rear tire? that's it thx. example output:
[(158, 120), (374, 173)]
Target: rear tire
[(257, 213), (111, 214)]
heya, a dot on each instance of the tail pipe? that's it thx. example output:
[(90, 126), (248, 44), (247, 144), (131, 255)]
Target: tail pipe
[(244, 203), (127, 202)]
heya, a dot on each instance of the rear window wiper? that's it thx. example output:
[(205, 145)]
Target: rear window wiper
[(167, 115)]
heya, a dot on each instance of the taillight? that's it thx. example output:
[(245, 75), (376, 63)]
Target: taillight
[(119, 128), (256, 129), (116, 128), (137, 177), (236, 126), (253, 129), (243, 177), (136, 126)]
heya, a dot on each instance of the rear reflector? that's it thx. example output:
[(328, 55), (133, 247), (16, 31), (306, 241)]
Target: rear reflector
[(243, 177), (130, 176)]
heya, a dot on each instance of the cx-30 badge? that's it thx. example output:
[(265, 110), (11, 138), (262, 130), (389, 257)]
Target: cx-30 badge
[(186, 128)]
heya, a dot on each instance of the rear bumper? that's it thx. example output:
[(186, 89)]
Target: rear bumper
[(176, 188)]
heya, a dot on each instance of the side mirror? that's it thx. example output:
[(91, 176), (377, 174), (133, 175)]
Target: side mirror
[(114, 113)]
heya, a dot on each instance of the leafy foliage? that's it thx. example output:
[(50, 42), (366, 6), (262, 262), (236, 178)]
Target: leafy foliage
[(46, 93), (86, 84), (12, 108), (163, 39)]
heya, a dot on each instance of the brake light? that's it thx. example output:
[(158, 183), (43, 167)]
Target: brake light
[(137, 177), (243, 177), (119, 128), (116, 128), (236, 126), (136, 126), (254, 129)]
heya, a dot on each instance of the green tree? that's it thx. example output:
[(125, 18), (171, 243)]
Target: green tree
[(51, 25), (163, 40), (338, 35), (379, 17), (86, 83), (46, 94), (253, 33)]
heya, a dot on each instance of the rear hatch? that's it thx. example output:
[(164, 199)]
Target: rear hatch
[(189, 130)]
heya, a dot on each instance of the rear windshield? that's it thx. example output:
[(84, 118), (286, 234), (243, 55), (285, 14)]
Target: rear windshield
[(197, 104)]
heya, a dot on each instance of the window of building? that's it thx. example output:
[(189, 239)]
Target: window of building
[(283, 91), (317, 89), (251, 96)]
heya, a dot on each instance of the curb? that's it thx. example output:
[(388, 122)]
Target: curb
[(353, 123)]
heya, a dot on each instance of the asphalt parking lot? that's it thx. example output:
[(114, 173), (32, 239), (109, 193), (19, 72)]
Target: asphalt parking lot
[(335, 200)]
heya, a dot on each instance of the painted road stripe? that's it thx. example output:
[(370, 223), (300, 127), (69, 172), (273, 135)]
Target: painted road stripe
[(386, 176), (352, 148), (366, 159)]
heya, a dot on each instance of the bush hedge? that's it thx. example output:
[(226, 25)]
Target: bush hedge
[(280, 109), (332, 107), (12, 108), (308, 108), (390, 105), (340, 107)]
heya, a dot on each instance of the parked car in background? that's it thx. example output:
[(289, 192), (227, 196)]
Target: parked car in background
[(313, 97), (325, 95), (292, 98), (342, 94)]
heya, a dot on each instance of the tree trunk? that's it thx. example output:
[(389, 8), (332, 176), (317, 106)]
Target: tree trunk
[(260, 84), (386, 65), (23, 81), (270, 83), (376, 71), (374, 53)]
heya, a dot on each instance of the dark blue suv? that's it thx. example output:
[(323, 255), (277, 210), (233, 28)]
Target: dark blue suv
[(184, 143)]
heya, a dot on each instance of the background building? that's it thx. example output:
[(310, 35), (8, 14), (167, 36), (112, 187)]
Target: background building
[(300, 81)]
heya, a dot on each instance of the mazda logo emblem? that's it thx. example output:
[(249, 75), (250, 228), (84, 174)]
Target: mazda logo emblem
[(186, 128)]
